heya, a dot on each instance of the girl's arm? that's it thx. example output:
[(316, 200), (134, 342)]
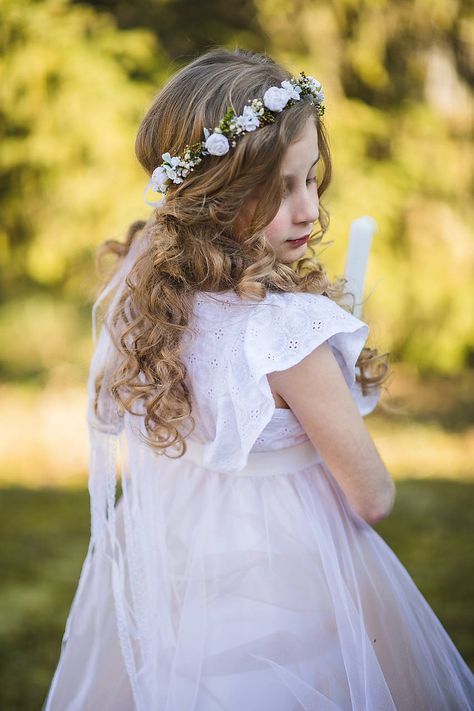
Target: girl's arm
[(317, 393)]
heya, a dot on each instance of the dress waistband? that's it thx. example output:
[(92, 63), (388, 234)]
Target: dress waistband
[(287, 460)]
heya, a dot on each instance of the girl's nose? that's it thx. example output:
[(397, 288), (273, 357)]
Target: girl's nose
[(306, 207)]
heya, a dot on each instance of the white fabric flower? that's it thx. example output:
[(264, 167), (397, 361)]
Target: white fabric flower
[(217, 144), (276, 98), (316, 85), (249, 120), (173, 161), (316, 88), (159, 179), (294, 91), (171, 174)]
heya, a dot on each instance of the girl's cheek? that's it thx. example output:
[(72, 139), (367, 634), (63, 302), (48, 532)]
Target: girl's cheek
[(275, 230)]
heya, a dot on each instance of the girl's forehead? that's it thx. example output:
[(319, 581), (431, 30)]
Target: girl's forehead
[(302, 152)]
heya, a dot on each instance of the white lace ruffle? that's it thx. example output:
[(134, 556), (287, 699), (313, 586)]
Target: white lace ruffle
[(228, 364)]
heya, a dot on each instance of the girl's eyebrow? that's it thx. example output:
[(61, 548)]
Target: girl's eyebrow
[(287, 177)]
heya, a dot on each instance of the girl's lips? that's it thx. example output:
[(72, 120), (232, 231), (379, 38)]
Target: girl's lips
[(298, 242)]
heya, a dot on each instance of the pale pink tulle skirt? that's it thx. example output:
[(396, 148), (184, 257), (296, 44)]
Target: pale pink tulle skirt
[(250, 592)]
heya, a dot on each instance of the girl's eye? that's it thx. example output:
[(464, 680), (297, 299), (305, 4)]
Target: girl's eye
[(286, 192)]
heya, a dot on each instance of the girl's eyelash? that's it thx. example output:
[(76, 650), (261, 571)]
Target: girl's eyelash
[(308, 180)]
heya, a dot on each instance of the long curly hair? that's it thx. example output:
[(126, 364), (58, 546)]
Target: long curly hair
[(191, 241)]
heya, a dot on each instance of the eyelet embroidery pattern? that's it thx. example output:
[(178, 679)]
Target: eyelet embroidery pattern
[(233, 345)]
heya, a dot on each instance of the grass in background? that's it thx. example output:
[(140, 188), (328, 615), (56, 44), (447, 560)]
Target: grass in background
[(44, 535), (430, 435), (43, 540)]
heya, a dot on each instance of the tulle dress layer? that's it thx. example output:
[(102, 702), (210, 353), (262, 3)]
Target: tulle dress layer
[(238, 577)]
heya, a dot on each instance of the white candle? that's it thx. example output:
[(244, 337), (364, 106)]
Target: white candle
[(360, 239)]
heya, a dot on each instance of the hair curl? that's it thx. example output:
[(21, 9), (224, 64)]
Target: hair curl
[(192, 240)]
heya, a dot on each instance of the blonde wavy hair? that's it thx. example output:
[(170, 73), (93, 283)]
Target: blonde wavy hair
[(192, 241)]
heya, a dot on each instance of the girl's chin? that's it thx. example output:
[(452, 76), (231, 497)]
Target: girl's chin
[(288, 254)]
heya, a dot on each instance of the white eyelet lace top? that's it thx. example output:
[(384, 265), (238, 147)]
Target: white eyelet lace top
[(231, 347)]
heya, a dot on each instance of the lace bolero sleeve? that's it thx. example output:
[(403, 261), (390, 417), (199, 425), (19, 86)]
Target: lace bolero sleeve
[(267, 336)]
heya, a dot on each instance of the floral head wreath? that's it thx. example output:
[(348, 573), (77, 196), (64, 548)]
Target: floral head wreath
[(259, 112)]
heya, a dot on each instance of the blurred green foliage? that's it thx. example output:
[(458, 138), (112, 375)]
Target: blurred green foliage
[(76, 79), (74, 89)]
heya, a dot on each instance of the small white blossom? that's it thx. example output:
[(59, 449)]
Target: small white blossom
[(217, 144), (173, 161), (249, 120), (316, 89), (294, 91), (171, 174), (276, 98), (233, 125), (257, 107), (159, 180), (314, 84)]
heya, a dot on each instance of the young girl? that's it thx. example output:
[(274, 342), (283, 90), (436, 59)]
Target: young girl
[(239, 570)]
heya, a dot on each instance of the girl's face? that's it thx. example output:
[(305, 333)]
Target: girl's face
[(289, 231)]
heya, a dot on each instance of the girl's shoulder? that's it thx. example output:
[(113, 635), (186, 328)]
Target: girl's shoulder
[(278, 331), (280, 312), (229, 299), (237, 342)]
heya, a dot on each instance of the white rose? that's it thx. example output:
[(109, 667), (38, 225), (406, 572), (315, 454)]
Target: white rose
[(276, 98), (217, 144), (294, 91), (159, 179), (249, 120)]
